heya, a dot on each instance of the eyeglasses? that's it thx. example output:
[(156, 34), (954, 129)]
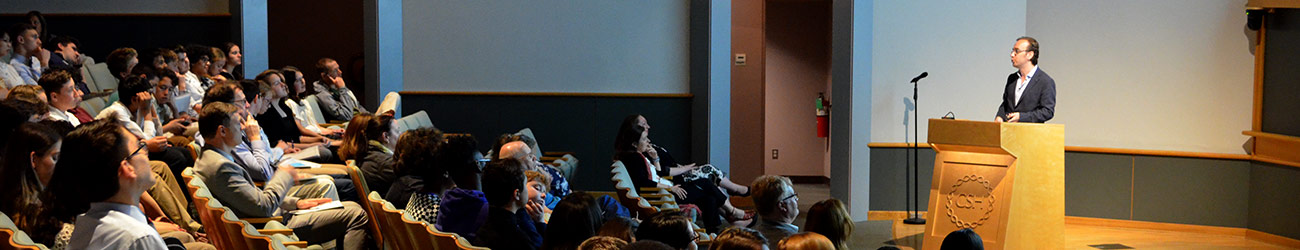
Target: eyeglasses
[(792, 195), (1018, 51), (137, 150)]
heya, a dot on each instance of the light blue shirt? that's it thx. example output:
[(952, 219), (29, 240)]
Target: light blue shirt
[(114, 226), (259, 158), (29, 73)]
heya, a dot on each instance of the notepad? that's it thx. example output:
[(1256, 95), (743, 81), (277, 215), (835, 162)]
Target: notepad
[(320, 207)]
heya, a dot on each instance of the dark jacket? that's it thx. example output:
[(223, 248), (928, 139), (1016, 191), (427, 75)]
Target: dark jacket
[(1038, 101), (506, 230), (378, 168)]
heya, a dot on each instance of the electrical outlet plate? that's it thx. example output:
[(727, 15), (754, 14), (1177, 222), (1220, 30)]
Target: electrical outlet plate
[(740, 59), (775, 153)]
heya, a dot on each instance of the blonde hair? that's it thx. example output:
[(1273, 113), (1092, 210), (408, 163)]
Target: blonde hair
[(831, 219), (539, 177), (806, 241)]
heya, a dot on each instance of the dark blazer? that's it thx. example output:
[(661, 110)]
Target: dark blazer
[(1037, 103)]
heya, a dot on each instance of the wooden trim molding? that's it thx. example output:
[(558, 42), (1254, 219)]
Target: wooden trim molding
[(1257, 111), (1275, 148), (1102, 150), (1088, 221), (548, 94), (1272, 238), (1272, 4)]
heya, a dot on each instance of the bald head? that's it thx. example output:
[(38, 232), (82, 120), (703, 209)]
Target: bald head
[(517, 150)]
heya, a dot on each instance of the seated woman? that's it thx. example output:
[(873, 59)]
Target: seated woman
[(297, 87), (698, 185), (280, 123), (47, 206), (577, 218), (369, 140), (831, 219)]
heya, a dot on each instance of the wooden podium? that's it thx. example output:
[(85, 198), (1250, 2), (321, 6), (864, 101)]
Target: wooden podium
[(1005, 181)]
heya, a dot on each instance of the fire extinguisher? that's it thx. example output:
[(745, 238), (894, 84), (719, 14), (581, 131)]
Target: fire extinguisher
[(823, 116)]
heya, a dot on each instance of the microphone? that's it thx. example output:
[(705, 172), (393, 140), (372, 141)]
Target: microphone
[(922, 76)]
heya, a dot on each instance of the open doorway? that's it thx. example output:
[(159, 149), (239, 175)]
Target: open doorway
[(786, 49)]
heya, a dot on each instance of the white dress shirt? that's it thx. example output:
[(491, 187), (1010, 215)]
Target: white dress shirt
[(1022, 83), (114, 226), (63, 115)]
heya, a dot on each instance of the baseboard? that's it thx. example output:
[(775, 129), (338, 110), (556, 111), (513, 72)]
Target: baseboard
[(1087, 221), (889, 215), (1272, 238), (799, 179)]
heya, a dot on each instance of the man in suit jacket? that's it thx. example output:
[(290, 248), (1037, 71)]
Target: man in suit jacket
[(1030, 95), (219, 123)]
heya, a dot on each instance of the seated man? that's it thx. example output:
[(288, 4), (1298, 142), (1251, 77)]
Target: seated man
[(337, 102), (777, 205), (135, 110), (113, 221), (507, 226), (233, 186)]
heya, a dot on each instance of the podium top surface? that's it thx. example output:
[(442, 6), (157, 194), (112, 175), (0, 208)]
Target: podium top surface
[(974, 133)]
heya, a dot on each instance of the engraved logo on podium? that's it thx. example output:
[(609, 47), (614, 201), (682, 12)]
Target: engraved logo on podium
[(970, 203)]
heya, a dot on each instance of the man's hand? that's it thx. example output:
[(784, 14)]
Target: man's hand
[(162, 226), (175, 125), (310, 203), (252, 130), (997, 118), (287, 147), (337, 81), (1013, 117), (156, 144)]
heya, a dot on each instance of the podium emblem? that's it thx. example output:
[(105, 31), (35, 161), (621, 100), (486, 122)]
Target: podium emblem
[(970, 202)]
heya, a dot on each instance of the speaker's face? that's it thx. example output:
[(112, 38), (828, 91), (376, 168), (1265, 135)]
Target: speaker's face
[(1020, 53)]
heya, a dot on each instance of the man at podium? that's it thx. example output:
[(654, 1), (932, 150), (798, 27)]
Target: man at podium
[(1030, 95)]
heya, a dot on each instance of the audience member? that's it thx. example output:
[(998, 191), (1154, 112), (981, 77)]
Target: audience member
[(370, 144), (739, 238), (121, 62), (778, 205), (575, 220), (62, 96), (806, 241), (37, 20), (962, 239), (111, 220), (644, 172), (623, 228), (301, 111), (516, 147), (507, 227), (281, 125), (217, 67), (413, 161), (670, 227), (26, 44), (135, 110), (537, 188), (337, 102), (65, 53), (200, 60), (234, 58), (29, 93), (27, 168), (9, 77), (233, 186), (462, 208), (602, 243), (831, 219)]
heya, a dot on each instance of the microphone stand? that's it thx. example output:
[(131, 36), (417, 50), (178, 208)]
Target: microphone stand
[(914, 216)]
